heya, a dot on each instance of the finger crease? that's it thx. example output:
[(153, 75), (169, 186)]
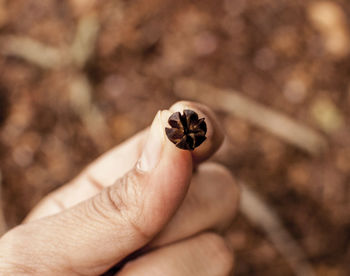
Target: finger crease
[(122, 209), (58, 203), (95, 182)]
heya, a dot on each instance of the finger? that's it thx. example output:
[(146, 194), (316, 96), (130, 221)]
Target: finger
[(203, 255), (97, 233), (210, 204), (214, 134), (118, 161), (124, 156), (113, 164)]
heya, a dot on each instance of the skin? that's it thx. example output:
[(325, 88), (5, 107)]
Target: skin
[(174, 213)]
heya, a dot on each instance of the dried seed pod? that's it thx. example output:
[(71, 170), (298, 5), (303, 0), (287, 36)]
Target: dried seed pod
[(187, 130)]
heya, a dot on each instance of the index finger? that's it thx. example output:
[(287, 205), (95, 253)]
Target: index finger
[(116, 162)]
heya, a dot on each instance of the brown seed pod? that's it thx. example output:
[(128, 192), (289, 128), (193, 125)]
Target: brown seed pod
[(187, 130)]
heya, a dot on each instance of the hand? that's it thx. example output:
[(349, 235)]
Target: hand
[(161, 207)]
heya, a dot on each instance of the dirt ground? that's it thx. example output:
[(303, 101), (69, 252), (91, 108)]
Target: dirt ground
[(77, 77)]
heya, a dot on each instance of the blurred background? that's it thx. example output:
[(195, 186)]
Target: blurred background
[(79, 76)]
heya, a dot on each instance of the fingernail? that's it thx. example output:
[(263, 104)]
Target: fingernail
[(152, 149)]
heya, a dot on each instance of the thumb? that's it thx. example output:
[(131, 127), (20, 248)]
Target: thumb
[(97, 233)]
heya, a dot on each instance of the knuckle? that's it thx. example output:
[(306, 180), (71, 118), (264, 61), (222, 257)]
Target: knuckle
[(16, 253), (123, 201), (12, 240), (226, 185), (125, 195), (221, 256), (220, 170)]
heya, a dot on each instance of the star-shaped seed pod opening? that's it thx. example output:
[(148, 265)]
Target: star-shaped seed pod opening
[(187, 130)]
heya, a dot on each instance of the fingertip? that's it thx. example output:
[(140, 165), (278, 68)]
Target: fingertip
[(167, 183), (215, 134), (176, 166)]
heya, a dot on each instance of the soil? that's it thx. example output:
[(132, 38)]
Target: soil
[(290, 56)]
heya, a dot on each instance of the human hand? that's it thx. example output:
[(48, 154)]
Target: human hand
[(160, 207)]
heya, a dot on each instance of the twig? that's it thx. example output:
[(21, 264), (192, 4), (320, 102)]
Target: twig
[(259, 213), (80, 92), (49, 57), (33, 51), (76, 55), (85, 39), (233, 102)]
